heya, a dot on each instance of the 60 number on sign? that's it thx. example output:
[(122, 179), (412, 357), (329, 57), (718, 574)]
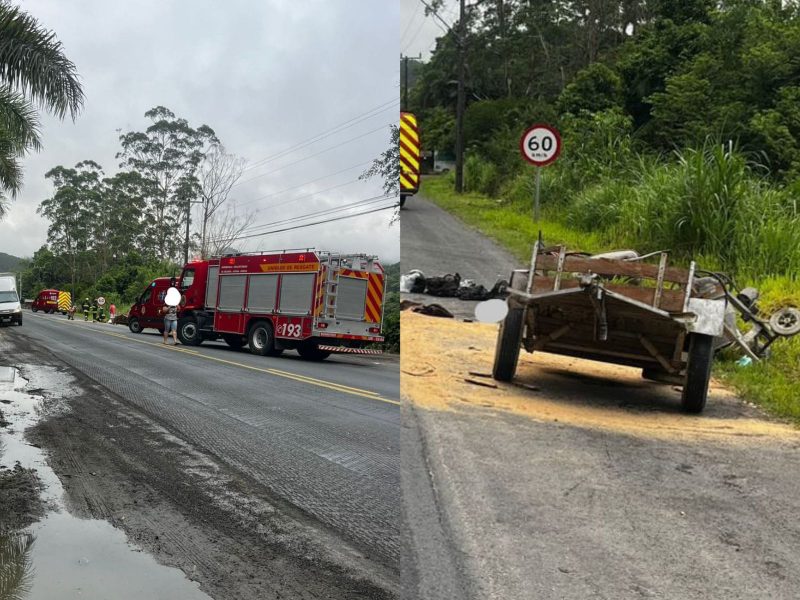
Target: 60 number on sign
[(540, 145)]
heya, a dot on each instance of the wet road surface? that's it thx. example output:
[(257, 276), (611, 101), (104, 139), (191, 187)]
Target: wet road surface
[(321, 437)]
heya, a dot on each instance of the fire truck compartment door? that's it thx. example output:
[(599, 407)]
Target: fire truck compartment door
[(297, 293), (231, 292), (211, 286), (262, 293), (351, 298)]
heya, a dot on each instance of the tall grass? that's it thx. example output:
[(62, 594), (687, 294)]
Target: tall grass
[(709, 202)]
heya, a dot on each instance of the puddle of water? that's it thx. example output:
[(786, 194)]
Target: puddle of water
[(72, 557)]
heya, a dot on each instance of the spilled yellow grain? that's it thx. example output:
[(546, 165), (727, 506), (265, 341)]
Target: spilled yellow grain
[(438, 354)]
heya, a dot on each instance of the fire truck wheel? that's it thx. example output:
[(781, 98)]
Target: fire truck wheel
[(312, 352), (135, 326), (234, 341), (698, 372), (509, 338), (34, 309), (262, 339), (188, 332)]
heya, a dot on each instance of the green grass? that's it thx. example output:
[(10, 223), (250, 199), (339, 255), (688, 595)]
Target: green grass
[(507, 225), (773, 384)]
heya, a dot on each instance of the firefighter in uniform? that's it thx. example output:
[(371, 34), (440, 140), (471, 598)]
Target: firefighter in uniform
[(93, 310), (101, 313), (85, 306)]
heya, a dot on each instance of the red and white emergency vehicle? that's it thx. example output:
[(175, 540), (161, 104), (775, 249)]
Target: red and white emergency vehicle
[(316, 303)]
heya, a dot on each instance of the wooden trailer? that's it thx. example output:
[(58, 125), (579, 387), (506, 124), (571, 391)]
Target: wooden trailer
[(618, 310)]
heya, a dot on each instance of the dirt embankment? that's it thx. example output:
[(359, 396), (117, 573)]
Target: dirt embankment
[(441, 354)]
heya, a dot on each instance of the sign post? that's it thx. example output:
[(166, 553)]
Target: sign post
[(540, 145)]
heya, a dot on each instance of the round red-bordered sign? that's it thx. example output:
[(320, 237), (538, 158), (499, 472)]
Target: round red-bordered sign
[(540, 145)]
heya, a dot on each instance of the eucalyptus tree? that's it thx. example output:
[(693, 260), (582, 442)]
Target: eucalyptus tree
[(167, 155)]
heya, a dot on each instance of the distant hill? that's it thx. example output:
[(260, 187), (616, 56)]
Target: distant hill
[(8, 262)]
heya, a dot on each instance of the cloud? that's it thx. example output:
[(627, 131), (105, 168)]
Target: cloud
[(263, 75)]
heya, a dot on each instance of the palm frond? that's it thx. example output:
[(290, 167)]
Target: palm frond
[(19, 120), (10, 169), (15, 565), (33, 63)]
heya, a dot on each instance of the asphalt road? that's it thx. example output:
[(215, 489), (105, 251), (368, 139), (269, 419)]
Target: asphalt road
[(504, 504), (437, 243), (324, 437)]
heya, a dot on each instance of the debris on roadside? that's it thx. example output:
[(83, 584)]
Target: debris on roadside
[(409, 304), (413, 282), (433, 310), (481, 383), (479, 374), (451, 285)]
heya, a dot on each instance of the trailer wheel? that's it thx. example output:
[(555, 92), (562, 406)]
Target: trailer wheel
[(262, 339), (698, 372), (312, 352), (234, 341), (134, 325), (188, 332), (509, 338)]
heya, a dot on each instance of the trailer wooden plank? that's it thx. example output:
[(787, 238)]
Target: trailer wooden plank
[(611, 268)]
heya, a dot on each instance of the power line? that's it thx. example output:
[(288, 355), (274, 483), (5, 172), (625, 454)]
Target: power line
[(327, 133), (324, 221), (294, 187), (411, 41), (338, 145), (319, 213), (408, 25)]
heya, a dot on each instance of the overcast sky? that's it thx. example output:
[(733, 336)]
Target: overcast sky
[(265, 75), (418, 33)]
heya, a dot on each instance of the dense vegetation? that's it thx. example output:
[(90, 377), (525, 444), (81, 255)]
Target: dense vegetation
[(681, 129)]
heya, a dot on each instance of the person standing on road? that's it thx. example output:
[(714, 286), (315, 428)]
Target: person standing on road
[(170, 322), (85, 307)]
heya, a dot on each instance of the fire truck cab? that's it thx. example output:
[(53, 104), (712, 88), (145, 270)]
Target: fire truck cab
[(46, 301), (146, 311), (313, 302)]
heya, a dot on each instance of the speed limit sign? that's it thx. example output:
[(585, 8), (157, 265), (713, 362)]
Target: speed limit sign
[(540, 144)]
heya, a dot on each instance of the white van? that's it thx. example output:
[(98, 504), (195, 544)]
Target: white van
[(10, 308)]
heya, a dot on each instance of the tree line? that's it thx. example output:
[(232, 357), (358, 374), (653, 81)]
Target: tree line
[(111, 233), (680, 120)]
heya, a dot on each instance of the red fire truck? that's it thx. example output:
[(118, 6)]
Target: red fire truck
[(316, 303)]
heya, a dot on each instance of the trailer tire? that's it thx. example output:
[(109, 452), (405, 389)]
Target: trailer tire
[(261, 339), (188, 332), (698, 372), (312, 352), (134, 325), (509, 338), (234, 341)]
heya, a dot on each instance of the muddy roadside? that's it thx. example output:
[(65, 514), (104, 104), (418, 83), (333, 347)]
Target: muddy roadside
[(182, 506)]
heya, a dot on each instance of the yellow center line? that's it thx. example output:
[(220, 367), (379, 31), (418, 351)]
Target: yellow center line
[(278, 373)]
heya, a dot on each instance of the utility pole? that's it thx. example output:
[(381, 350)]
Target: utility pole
[(405, 60), (189, 203), (460, 101)]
